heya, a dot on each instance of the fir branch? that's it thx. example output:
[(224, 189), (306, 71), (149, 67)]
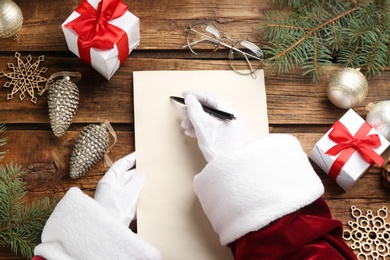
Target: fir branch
[(313, 32), (292, 3), (20, 225)]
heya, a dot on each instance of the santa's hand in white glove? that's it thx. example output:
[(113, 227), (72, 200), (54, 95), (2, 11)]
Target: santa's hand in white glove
[(214, 135), (119, 189), (84, 228), (243, 187)]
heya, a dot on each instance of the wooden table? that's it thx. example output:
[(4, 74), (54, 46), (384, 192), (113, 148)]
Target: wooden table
[(295, 105)]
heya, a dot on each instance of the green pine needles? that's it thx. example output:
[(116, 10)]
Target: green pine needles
[(20, 225), (314, 33)]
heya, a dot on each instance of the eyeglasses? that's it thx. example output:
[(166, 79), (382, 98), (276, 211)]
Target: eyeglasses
[(205, 36)]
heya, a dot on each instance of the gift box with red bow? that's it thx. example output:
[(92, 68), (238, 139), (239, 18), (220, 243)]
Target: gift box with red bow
[(102, 34), (348, 149)]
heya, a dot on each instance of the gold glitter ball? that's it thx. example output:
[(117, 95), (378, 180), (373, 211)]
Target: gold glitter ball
[(11, 18), (347, 88)]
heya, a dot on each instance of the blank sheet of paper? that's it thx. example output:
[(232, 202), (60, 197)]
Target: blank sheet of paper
[(169, 215)]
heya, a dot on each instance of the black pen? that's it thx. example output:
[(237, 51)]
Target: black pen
[(212, 111)]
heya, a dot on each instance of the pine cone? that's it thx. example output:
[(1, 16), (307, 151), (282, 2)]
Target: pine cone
[(386, 174), (90, 147), (63, 101)]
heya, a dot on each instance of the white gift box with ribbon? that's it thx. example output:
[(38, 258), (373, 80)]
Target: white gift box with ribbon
[(106, 62), (355, 166)]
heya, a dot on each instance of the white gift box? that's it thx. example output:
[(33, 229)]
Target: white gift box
[(355, 166), (106, 62)]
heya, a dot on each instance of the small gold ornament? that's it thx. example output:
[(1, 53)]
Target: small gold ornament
[(90, 147), (63, 100), (25, 77), (11, 19), (347, 88), (385, 174), (378, 117)]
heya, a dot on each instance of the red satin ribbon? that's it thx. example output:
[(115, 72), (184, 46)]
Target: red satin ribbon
[(94, 30), (348, 144)]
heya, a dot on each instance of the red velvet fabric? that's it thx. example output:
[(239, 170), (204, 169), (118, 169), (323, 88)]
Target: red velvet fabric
[(309, 233), (38, 258)]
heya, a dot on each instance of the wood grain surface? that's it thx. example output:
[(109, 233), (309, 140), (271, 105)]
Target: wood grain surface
[(295, 104)]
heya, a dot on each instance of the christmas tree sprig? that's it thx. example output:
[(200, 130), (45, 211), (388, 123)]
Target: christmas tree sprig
[(21, 225), (313, 33)]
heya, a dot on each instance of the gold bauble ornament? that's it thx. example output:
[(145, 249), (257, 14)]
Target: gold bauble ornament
[(378, 117), (347, 88), (11, 19)]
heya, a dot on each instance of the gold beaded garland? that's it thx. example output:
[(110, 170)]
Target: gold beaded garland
[(11, 19), (347, 88)]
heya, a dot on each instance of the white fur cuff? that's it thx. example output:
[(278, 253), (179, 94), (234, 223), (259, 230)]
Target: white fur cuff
[(246, 189), (79, 228)]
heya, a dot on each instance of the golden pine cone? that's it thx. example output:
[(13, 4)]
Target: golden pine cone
[(90, 147), (63, 101)]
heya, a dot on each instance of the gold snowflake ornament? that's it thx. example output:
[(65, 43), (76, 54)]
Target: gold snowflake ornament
[(26, 77), (369, 234)]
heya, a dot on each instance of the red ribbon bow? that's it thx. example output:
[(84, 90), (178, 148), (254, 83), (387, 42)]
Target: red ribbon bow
[(94, 30), (348, 144)]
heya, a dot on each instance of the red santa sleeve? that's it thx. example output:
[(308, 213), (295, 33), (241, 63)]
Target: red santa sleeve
[(264, 201), (38, 258), (308, 233)]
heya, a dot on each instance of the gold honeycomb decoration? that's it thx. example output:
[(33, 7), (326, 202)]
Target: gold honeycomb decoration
[(369, 234)]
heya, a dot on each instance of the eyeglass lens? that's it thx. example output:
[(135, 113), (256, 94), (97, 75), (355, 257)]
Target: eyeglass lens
[(203, 39), (248, 52)]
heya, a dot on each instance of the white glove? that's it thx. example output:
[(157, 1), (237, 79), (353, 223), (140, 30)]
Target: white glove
[(214, 135), (119, 189)]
